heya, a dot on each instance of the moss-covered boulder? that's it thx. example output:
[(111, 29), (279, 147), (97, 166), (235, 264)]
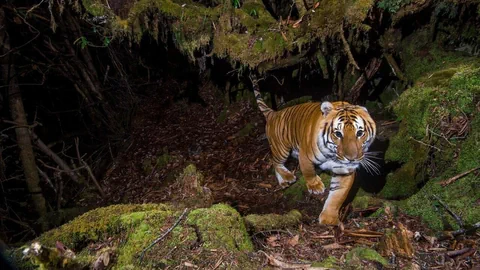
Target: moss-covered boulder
[(125, 231), (438, 138), (258, 223), (220, 226)]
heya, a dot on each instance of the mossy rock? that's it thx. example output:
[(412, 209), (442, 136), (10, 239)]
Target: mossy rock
[(220, 226), (355, 258), (365, 201), (425, 110), (258, 223), (134, 227), (462, 196)]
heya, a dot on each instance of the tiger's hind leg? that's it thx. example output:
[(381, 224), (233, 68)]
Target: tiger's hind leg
[(284, 176), (313, 181)]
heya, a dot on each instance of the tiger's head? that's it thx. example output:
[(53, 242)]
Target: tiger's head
[(347, 133)]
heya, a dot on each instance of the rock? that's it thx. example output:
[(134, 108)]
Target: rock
[(221, 226), (258, 223), (124, 231)]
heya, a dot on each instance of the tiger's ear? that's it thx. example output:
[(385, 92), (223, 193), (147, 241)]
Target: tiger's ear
[(363, 108), (326, 107)]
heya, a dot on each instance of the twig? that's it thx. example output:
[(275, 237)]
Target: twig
[(55, 157), (272, 231), (364, 233), (44, 175), (94, 179), (164, 234), (426, 144), (456, 177), (455, 216)]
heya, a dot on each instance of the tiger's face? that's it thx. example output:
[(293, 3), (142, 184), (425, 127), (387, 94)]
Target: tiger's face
[(348, 132)]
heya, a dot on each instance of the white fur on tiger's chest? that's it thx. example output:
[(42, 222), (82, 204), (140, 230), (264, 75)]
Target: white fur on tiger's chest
[(338, 168)]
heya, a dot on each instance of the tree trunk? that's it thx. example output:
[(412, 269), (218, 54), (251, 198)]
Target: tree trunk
[(19, 117)]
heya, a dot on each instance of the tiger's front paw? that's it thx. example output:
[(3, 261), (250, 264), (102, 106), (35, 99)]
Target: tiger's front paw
[(285, 179), (316, 186), (326, 218)]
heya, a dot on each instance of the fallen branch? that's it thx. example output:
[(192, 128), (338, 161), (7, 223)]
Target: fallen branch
[(450, 235), (395, 68), (455, 253), (94, 179), (163, 235), (456, 177), (44, 148), (372, 68), (449, 211), (363, 233)]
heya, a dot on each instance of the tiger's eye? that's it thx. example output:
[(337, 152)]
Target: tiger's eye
[(360, 133), (338, 134)]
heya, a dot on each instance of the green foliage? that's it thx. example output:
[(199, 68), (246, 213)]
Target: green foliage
[(392, 6), (236, 3), (82, 41)]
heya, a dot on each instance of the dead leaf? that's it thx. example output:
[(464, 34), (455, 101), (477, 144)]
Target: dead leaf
[(265, 185), (272, 241), (333, 246), (102, 261), (293, 241), (284, 37)]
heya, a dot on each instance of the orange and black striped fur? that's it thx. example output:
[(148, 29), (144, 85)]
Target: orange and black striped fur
[(334, 136)]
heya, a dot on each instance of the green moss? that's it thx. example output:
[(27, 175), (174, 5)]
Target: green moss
[(221, 226), (461, 196), (94, 224), (94, 7), (257, 223), (422, 57), (405, 180), (433, 101), (365, 201), (329, 262), (355, 256), (246, 130), (222, 117)]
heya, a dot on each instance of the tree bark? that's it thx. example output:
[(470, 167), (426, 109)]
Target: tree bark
[(22, 129)]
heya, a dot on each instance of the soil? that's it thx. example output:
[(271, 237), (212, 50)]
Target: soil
[(237, 171)]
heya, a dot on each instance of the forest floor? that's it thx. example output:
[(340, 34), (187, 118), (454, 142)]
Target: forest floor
[(233, 155)]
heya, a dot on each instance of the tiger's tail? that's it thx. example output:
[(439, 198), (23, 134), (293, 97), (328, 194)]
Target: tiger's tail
[(267, 111)]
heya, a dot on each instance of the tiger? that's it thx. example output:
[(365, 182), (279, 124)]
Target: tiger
[(332, 135)]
